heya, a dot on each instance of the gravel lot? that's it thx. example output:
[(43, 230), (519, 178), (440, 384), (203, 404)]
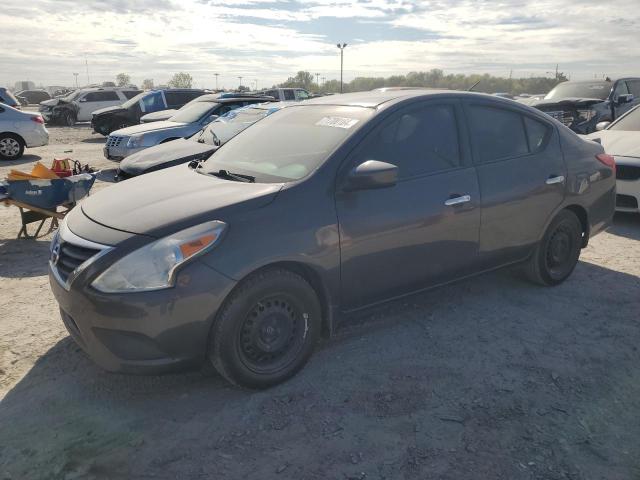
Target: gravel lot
[(490, 378)]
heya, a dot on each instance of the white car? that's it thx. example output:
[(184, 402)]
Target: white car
[(19, 130), (80, 104), (622, 140)]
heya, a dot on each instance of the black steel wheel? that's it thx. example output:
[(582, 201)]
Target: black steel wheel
[(267, 329), (558, 252)]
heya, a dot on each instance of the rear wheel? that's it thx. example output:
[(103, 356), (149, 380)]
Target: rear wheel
[(11, 146), (267, 329), (558, 252)]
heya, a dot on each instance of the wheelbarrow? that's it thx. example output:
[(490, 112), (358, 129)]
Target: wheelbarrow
[(44, 201)]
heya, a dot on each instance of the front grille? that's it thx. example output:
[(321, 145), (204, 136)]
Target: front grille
[(114, 140), (71, 257), (627, 172), (565, 117), (626, 201)]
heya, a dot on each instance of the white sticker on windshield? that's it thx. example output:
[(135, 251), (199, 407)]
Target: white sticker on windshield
[(337, 122)]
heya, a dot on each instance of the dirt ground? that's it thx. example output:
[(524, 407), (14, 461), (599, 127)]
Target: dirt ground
[(489, 378)]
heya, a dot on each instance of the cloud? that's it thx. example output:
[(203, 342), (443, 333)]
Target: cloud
[(270, 40)]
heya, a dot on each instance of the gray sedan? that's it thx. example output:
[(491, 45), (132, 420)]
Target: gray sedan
[(184, 123)]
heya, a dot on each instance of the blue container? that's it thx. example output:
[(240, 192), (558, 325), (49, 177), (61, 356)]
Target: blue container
[(50, 193)]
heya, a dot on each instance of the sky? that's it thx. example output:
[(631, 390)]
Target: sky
[(266, 41)]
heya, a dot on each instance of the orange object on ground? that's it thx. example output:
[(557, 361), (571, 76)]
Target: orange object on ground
[(39, 172)]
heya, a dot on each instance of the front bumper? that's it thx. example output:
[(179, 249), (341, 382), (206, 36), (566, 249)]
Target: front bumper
[(146, 332), (119, 152), (628, 196)]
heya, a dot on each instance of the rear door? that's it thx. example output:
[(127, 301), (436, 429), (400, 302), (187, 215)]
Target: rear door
[(522, 178), (93, 101), (425, 229)]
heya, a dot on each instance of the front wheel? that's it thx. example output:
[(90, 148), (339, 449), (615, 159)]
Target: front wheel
[(267, 329), (68, 119), (557, 254), (11, 147)]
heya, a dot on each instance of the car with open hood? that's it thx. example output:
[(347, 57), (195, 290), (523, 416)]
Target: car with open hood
[(324, 208), (581, 105), (621, 139), (80, 104), (106, 120), (127, 141), (200, 145)]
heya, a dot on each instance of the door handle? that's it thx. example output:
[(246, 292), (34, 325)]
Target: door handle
[(554, 180), (458, 200)]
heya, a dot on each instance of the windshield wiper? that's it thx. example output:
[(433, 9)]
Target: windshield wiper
[(238, 177)]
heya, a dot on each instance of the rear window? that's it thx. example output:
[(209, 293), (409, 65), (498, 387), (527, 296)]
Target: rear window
[(7, 97)]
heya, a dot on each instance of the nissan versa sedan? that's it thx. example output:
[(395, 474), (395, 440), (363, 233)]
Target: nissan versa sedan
[(327, 207)]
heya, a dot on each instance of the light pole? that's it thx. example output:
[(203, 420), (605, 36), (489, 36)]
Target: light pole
[(240, 78), (341, 47), (216, 74), (76, 75), (318, 80)]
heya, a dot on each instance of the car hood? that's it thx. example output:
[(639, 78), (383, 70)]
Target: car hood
[(170, 200), (148, 127), (51, 103), (573, 101), (180, 149), (619, 142), (104, 110), (158, 116)]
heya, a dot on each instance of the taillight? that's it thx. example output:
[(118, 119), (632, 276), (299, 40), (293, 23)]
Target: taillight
[(608, 160), (38, 119)]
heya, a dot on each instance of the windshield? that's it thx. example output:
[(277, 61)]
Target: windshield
[(599, 90), (630, 122), (72, 96), (229, 125), (194, 113), (133, 100), (290, 145)]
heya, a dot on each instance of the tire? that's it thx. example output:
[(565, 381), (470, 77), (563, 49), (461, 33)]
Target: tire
[(11, 146), (68, 119), (557, 254), (266, 330)]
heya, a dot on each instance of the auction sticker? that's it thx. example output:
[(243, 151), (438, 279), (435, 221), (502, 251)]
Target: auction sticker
[(337, 122)]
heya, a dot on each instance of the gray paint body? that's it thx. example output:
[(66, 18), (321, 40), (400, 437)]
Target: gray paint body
[(357, 248)]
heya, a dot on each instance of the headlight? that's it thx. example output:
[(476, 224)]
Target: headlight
[(153, 266), (586, 115), (135, 141)]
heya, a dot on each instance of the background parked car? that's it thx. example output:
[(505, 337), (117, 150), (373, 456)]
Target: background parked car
[(200, 145), (287, 94), (79, 105), (32, 97), (622, 140), (106, 120), (184, 123), (19, 130), (167, 114), (7, 98), (328, 206), (582, 105)]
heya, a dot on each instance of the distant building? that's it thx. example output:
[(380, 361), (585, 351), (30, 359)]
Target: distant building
[(24, 85)]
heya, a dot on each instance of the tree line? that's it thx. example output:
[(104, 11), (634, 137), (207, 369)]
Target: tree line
[(434, 78)]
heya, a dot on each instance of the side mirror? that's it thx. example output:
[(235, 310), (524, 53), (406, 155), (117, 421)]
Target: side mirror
[(372, 174), (628, 98), (602, 125)]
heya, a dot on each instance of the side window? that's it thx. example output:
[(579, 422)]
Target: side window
[(177, 99), (418, 140), (101, 96), (301, 95), (497, 133), (272, 93), (153, 102), (537, 134), (621, 89), (129, 94), (289, 95), (634, 87)]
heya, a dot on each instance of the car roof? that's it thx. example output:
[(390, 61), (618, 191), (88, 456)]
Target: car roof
[(375, 98)]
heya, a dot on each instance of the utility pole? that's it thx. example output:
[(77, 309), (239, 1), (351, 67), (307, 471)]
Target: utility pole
[(324, 80), (76, 75), (240, 82), (341, 47), (216, 74), (318, 80), (86, 64)]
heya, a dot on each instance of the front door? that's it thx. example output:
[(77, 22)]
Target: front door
[(522, 179), (423, 230)]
